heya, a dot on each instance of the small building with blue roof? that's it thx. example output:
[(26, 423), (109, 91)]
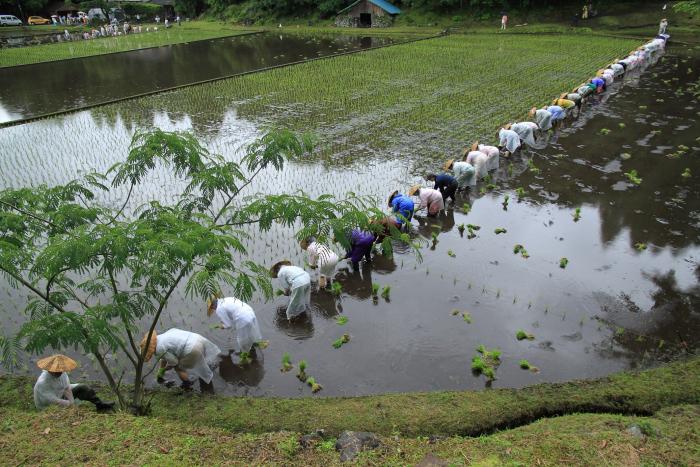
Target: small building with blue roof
[(367, 14)]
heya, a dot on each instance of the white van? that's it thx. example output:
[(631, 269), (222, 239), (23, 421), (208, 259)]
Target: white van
[(9, 20)]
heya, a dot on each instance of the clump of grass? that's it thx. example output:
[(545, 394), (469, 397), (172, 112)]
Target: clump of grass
[(245, 358), (522, 335), (524, 364), (500, 230), (577, 214), (451, 253), (286, 362), (604, 131), (471, 228), (336, 289), (686, 173), (301, 374), (386, 292), (505, 202), (341, 320), (478, 365), (375, 289), (563, 262), (315, 387), (434, 236), (520, 191), (486, 363), (467, 317), (640, 246), (521, 249), (461, 228), (633, 177), (339, 342), (466, 208)]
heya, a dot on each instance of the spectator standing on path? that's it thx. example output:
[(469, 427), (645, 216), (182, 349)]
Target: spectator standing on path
[(138, 19), (157, 19), (177, 19), (504, 21), (584, 12)]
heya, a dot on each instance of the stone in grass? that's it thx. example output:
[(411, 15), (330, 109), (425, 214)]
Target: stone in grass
[(310, 440), (635, 431), (350, 443)]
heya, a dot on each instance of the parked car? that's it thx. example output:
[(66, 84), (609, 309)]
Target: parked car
[(10, 20), (37, 20)]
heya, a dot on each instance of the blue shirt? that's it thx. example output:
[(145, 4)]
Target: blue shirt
[(402, 205), (443, 181), (557, 112)]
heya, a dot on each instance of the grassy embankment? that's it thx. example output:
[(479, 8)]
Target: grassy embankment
[(200, 429), (190, 31)]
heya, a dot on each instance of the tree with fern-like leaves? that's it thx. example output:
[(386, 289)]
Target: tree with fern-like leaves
[(96, 274)]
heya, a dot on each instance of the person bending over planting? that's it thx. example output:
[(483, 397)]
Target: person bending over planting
[(322, 257), (297, 285), (186, 352), (492, 152), (509, 140), (429, 199), (361, 243), (240, 318), (446, 184), (464, 173), (402, 207), (54, 388)]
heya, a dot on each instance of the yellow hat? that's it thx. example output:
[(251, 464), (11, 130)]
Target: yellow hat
[(448, 164), (151, 345), (413, 190), (275, 269), (57, 364)]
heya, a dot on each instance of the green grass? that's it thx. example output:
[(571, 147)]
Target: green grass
[(192, 31), (422, 90), (212, 430)]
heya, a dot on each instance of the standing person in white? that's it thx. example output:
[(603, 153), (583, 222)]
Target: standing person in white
[(186, 352), (296, 283), (322, 257), (239, 317)]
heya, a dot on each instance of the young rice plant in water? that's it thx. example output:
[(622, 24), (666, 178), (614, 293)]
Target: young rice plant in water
[(101, 277)]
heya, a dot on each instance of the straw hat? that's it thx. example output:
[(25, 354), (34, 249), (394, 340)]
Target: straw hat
[(554, 101), (448, 164), (275, 269), (465, 153), (391, 197), (563, 95), (507, 127), (211, 303), (475, 146), (151, 345), (532, 112), (57, 364), (413, 190)]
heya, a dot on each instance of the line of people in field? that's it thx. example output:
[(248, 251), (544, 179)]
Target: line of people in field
[(192, 355)]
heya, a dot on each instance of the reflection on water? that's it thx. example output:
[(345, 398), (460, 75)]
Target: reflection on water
[(612, 307), (42, 88)]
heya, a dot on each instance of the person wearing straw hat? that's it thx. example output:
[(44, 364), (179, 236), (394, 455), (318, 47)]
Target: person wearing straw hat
[(492, 152), (296, 283), (508, 140), (464, 172), (429, 199), (239, 317), (617, 68), (362, 241), (600, 84), (53, 387), (402, 207), (322, 257), (186, 352), (446, 184), (542, 117), (525, 131)]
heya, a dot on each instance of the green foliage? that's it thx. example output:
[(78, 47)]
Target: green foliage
[(524, 364), (336, 289), (500, 230), (563, 262), (386, 292), (640, 246), (375, 289), (339, 342), (521, 335), (286, 362), (577, 214), (341, 320), (633, 177)]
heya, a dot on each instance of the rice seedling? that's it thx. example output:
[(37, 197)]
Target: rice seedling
[(244, 358), (451, 254), (633, 177), (520, 192), (336, 289), (315, 387), (532, 167), (563, 262), (686, 173), (455, 312), (625, 156), (339, 342), (301, 374), (386, 292), (505, 202), (642, 107), (619, 331), (577, 214), (640, 246), (521, 249), (467, 317), (500, 230), (461, 228), (486, 363), (375, 289), (466, 208), (262, 344), (604, 131), (524, 364), (478, 365), (341, 320), (621, 125), (286, 362), (522, 335)]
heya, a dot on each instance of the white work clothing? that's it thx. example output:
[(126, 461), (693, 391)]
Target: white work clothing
[(240, 317), (299, 282), (493, 154), (189, 352), (509, 139), (480, 162), (323, 257), (52, 390), (464, 173), (543, 118), (525, 131)]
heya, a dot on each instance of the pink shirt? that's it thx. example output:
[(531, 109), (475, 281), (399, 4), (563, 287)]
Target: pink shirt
[(428, 196), (488, 150)]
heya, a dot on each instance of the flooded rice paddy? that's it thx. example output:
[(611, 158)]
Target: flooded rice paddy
[(32, 90), (616, 305)]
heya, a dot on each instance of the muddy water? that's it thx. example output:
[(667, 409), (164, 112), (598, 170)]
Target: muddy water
[(613, 307), (32, 90)]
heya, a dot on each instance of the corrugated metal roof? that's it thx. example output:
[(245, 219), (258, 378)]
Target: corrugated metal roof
[(384, 5)]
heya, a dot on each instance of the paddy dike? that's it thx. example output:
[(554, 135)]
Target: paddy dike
[(615, 306)]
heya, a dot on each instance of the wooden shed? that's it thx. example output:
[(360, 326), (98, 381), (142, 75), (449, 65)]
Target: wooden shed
[(367, 14)]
